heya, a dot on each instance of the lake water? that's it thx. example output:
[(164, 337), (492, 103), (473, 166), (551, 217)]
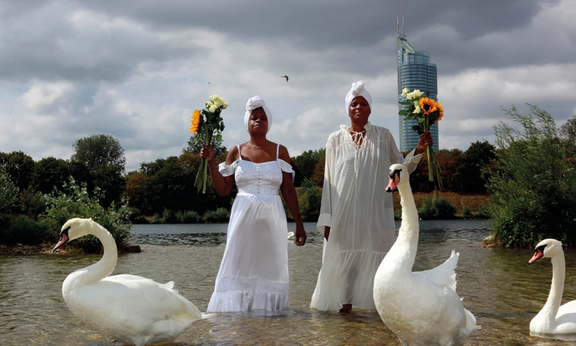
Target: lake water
[(498, 287)]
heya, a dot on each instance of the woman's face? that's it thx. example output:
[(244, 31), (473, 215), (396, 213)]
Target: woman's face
[(258, 121), (359, 110)]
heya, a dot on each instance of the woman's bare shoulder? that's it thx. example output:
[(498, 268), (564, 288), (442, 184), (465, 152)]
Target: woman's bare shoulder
[(283, 153), (232, 155)]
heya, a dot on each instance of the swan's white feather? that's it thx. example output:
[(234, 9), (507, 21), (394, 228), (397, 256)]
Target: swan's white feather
[(127, 308), (421, 308), (554, 318), (442, 275)]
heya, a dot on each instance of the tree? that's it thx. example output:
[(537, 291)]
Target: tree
[(104, 157), (306, 163), (318, 174), (134, 184), (110, 181), (20, 167), (170, 186), (534, 186), (568, 130), (50, 173), (309, 200), (99, 150), (447, 159), (469, 171), (8, 192)]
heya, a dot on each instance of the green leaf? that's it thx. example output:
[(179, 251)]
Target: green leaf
[(417, 128)]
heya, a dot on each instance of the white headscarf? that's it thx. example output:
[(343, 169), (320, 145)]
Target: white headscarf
[(357, 90), (252, 104)]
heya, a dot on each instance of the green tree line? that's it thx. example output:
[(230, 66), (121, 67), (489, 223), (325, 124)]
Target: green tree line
[(163, 191)]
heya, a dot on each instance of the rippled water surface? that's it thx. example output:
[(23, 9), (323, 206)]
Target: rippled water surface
[(498, 286)]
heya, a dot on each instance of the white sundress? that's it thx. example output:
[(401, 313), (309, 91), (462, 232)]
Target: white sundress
[(253, 274)]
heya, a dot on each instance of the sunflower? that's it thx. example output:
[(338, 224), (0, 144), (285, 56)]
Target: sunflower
[(428, 105), (440, 112), (195, 121), (432, 109)]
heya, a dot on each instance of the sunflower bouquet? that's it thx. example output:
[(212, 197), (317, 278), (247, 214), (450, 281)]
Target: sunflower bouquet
[(426, 112), (207, 125)]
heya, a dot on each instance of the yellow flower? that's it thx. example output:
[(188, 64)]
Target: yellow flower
[(428, 105), (440, 112), (195, 121)]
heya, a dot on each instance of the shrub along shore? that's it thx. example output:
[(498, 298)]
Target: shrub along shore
[(466, 206), (475, 202)]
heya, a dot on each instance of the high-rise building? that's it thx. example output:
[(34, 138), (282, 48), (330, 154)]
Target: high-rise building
[(415, 71)]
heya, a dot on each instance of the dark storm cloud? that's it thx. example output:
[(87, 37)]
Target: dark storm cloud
[(317, 24), (355, 26), (136, 69), (50, 47), (48, 41)]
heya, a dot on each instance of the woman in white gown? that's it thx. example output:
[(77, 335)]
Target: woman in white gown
[(253, 274), (357, 215)]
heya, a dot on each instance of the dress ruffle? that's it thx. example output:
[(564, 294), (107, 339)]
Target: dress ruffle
[(227, 170)]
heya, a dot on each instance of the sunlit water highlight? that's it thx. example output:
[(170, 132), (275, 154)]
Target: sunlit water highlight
[(498, 286)]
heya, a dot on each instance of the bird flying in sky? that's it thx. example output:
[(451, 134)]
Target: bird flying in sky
[(285, 76)]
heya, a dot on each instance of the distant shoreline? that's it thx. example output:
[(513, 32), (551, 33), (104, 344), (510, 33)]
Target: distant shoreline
[(459, 200)]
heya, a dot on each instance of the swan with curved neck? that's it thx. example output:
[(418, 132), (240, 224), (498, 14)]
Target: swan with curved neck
[(127, 308), (421, 308), (553, 318)]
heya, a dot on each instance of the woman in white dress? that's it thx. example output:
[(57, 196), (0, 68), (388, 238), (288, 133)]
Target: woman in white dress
[(357, 215), (253, 274)]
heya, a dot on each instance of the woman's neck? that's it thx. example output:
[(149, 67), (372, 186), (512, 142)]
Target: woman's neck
[(358, 127), (258, 142)]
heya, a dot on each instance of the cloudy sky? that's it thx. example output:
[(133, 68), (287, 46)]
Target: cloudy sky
[(136, 70)]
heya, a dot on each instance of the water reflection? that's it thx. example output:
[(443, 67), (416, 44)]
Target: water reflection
[(498, 286)]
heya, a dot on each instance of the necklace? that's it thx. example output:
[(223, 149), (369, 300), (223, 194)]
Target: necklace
[(254, 146)]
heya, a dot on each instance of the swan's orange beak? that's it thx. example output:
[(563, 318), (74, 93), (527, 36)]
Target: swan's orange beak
[(537, 255), (63, 239)]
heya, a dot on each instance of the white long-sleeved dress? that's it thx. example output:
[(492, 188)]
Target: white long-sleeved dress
[(253, 274), (360, 213)]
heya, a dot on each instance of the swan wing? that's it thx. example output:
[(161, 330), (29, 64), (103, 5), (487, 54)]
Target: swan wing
[(442, 275), (425, 313), (154, 298), (567, 309), (133, 309), (566, 318)]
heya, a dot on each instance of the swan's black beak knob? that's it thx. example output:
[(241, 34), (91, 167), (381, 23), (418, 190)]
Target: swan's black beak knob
[(394, 180)]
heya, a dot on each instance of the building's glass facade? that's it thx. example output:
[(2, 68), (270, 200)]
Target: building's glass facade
[(415, 72)]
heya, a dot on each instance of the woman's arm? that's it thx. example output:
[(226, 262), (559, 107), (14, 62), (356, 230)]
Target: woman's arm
[(291, 197), (325, 218), (222, 185)]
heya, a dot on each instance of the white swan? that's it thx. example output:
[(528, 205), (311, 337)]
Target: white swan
[(421, 308), (553, 318), (127, 308)]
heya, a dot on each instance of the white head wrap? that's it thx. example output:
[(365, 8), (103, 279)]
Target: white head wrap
[(252, 104), (357, 90)]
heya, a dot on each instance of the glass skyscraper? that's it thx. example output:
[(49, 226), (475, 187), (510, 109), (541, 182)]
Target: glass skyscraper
[(415, 72)]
